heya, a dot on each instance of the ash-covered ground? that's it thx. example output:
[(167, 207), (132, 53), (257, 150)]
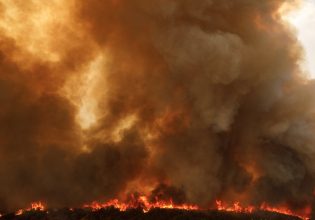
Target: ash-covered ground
[(138, 214)]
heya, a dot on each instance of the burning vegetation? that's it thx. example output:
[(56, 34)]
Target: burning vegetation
[(178, 104), (154, 214), (141, 208)]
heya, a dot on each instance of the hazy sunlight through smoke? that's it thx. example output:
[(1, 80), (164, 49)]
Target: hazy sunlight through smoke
[(304, 21)]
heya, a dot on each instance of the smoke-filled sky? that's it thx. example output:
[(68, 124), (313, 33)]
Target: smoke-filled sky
[(303, 19), (199, 100)]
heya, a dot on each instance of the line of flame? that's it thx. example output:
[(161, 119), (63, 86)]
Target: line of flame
[(264, 207), (220, 206), (144, 203), (35, 206)]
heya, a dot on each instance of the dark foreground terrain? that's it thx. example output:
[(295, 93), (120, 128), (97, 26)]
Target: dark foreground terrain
[(137, 214)]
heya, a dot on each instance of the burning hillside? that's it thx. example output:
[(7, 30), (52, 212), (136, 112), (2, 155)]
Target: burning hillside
[(156, 214), (151, 211), (179, 103), (141, 207)]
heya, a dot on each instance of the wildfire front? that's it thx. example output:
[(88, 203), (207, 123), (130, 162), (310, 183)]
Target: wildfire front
[(160, 109)]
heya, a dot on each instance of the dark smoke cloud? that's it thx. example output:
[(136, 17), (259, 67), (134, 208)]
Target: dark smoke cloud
[(222, 110)]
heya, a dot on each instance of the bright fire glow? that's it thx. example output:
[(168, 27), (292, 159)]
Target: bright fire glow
[(35, 206), (236, 207), (286, 211), (144, 203)]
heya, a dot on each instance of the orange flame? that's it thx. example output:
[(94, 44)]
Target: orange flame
[(286, 211), (35, 206), (236, 207), (144, 203)]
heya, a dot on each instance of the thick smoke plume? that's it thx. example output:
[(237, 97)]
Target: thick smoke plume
[(202, 99)]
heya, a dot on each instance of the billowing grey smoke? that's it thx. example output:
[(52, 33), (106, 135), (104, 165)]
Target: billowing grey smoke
[(222, 110)]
